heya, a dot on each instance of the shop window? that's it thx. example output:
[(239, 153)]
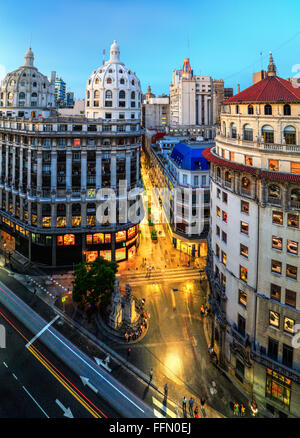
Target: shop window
[(242, 298), (277, 217), (290, 298), (274, 319), (277, 243), (244, 274), (288, 325), (120, 236), (291, 271), (130, 232), (106, 254), (91, 221), (276, 266), (120, 254), (244, 227), (107, 238), (91, 256), (293, 220), (274, 165), (98, 238), (292, 247), (61, 221), (275, 292), (278, 388), (295, 168), (76, 221), (244, 250), (89, 239), (69, 239), (245, 207), (60, 240)]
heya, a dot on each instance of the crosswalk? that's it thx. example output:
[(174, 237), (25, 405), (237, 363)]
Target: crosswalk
[(166, 409), (161, 275)]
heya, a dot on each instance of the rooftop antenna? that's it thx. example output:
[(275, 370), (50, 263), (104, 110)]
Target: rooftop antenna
[(261, 61), (188, 46), (30, 40), (103, 59)]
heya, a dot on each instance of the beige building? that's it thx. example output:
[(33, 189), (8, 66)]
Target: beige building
[(253, 260), (155, 111)]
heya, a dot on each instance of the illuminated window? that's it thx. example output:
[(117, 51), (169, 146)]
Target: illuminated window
[(107, 238), (244, 274), (120, 254), (292, 247), (46, 222), (60, 240), (274, 165), (131, 232), (242, 298), (245, 207), (277, 243), (224, 216), (274, 318), (231, 156), (293, 220), (76, 142), (218, 211), (291, 271), (91, 256), (248, 160), (120, 236), (34, 220), (290, 298), (218, 251), (69, 239), (76, 221), (244, 250), (275, 292), (98, 238), (224, 258), (276, 266), (89, 239), (277, 217), (61, 221), (244, 227), (278, 388), (91, 221), (106, 254), (295, 168)]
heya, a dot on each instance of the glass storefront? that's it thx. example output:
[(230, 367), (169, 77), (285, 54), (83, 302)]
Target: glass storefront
[(278, 388)]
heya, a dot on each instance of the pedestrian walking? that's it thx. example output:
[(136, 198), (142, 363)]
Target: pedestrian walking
[(191, 404), (184, 405), (151, 374), (202, 401), (242, 410), (166, 389), (128, 352), (196, 412), (236, 409)]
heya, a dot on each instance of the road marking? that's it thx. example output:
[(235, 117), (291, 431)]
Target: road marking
[(15, 376), (46, 415), (86, 381), (42, 331), (5, 364), (67, 411), (163, 408)]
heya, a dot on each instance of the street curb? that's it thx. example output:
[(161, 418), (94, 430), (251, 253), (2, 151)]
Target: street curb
[(105, 347)]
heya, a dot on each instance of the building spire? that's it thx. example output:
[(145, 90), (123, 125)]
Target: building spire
[(186, 69), (29, 58), (271, 66)]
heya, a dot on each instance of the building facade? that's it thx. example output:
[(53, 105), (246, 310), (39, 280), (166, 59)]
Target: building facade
[(253, 262), (60, 91), (52, 167)]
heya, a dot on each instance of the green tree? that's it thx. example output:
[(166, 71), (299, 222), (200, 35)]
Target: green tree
[(94, 282)]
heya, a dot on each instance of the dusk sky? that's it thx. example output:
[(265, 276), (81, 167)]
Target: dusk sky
[(223, 39)]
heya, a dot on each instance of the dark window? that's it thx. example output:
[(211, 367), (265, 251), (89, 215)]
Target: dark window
[(241, 325), (287, 110), (273, 349), (290, 298), (268, 110), (224, 236), (275, 292), (287, 356)]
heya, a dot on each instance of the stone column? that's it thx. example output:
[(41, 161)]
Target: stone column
[(128, 175), (69, 170), (200, 109), (39, 170), (14, 167), (68, 214), (1, 163), (113, 170), (83, 170), (83, 214), (98, 170), (205, 110), (53, 260), (29, 170), (137, 166), (53, 170), (53, 215), (6, 164), (21, 169)]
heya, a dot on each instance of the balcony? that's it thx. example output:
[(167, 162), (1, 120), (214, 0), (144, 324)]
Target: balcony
[(242, 339), (274, 200)]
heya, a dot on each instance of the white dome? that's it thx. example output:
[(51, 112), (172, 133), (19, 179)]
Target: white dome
[(113, 89), (26, 88)]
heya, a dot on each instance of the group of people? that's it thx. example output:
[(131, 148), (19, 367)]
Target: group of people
[(193, 412), (239, 410), (133, 335), (204, 310)]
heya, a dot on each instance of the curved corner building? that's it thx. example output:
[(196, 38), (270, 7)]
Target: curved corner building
[(51, 167), (253, 262)]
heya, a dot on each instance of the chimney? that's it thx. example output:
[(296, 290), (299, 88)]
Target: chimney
[(238, 88)]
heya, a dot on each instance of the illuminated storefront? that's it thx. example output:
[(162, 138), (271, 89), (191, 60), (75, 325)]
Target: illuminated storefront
[(278, 388)]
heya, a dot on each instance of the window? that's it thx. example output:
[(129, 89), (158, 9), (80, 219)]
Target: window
[(268, 110), (233, 130), (245, 207), (218, 251), (241, 325), (277, 217), (278, 388), (231, 156), (244, 274), (248, 160), (287, 356), (244, 227), (287, 110), (293, 220), (250, 109), (224, 258), (274, 165), (203, 180), (273, 349), (275, 292), (108, 94), (268, 134), (289, 134), (290, 298), (274, 319), (295, 168), (242, 298), (218, 212), (196, 180), (185, 179), (108, 80), (248, 133), (276, 266), (243, 250), (277, 243), (291, 271), (246, 184), (292, 247), (223, 279), (225, 197), (236, 109), (224, 237), (218, 193), (224, 216), (288, 325), (218, 231), (274, 192)]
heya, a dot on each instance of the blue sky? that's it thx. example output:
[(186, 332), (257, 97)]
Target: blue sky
[(223, 38)]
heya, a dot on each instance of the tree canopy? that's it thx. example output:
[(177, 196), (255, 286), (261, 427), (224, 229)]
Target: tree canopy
[(94, 281)]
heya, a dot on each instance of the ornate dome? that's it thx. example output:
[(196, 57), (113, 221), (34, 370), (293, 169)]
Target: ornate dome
[(25, 90), (113, 91)]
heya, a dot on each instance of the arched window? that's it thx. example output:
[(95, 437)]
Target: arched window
[(233, 130), (295, 198), (287, 110), (10, 98), (108, 80), (248, 133), (22, 96), (268, 110), (132, 82), (218, 172), (96, 94), (12, 82), (34, 84), (268, 134), (122, 94), (108, 94), (289, 134), (228, 177), (274, 191), (34, 95), (250, 109), (132, 95), (97, 81), (88, 94), (246, 184), (122, 81)]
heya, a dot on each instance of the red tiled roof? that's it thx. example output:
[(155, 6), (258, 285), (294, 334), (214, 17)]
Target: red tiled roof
[(275, 176), (270, 89)]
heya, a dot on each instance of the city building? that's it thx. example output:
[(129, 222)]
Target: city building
[(156, 111), (228, 92), (60, 91), (253, 262), (77, 110), (52, 166), (70, 100)]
